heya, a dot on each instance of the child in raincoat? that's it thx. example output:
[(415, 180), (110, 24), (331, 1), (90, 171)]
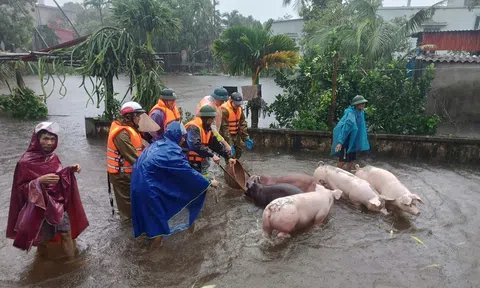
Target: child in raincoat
[(350, 134)]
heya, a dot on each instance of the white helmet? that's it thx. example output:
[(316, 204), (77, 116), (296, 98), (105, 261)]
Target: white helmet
[(131, 107)]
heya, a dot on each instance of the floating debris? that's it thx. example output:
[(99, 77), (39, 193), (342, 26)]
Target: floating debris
[(431, 266), (418, 240)]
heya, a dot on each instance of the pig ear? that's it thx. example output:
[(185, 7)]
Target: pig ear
[(320, 163), (318, 188), (405, 200), (337, 194), (386, 198), (416, 197), (375, 201)]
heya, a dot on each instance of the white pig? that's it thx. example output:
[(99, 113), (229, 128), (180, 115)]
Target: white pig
[(357, 190), (298, 211), (388, 185)]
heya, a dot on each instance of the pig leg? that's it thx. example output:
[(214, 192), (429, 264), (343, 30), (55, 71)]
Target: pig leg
[(267, 228), (283, 235), (320, 219), (285, 220)]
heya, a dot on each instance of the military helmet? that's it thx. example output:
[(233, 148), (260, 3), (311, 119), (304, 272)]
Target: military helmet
[(220, 94), (168, 94), (359, 99), (207, 111)]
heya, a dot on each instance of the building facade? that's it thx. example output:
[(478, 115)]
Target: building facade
[(454, 16)]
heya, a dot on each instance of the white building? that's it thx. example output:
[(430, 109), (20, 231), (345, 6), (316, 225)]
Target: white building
[(292, 28), (454, 16)]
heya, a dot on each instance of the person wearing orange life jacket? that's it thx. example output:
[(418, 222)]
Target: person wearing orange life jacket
[(234, 125), (201, 143), (215, 100), (164, 112), (124, 145)]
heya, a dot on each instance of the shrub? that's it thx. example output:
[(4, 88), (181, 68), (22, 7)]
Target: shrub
[(24, 104), (396, 101)]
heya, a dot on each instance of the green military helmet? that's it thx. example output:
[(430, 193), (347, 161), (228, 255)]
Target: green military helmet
[(220, 94), (207, 111), (168, 94), (359, 99)]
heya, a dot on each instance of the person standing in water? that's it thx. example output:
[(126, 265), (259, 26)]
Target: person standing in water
[(165, 187), (350, 135), (234, 125), (45, 204), (201, 143), (215, 100), (124, 145), (164, 112)]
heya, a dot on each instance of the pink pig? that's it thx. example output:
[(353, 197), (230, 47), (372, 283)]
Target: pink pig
[(291, 213)]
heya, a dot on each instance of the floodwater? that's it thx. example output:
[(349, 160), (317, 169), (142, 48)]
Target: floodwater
[(226, 247)]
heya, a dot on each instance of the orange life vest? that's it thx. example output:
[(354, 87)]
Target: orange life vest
[(233, 117), (205, 139), (209, 100), (115, 162), (169, 114)]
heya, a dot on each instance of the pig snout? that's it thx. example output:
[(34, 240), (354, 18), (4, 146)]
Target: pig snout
[(376, 204), (411, 210), (252, 180)]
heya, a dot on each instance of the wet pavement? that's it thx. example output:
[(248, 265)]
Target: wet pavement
[(226, 247)]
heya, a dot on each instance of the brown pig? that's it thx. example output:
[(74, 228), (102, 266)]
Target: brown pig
[(388, 185), (291, 213)]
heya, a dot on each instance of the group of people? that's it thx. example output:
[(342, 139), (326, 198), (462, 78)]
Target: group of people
[(158, 168)]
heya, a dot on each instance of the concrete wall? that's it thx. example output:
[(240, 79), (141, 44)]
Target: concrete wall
[(441, 149), (454, 94)]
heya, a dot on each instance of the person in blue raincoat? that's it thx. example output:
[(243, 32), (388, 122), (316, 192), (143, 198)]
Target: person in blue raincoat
[(350, 134), (167, 195)]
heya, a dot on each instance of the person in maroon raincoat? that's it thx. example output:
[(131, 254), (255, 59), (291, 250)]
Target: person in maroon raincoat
[(45, 203)]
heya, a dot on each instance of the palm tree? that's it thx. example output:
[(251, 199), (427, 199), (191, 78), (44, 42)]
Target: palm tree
[(366, 33), (99, 5), (145, 18), (249, 50)]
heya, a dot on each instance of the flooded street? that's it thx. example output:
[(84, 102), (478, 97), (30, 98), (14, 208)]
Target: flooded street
[(226, 247)]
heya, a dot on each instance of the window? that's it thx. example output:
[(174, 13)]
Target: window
[(477, 23)]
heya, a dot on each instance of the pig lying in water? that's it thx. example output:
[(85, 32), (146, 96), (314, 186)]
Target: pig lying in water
[(305, 182), (262, 195), (388, 185), (298, 211), (357, 190)]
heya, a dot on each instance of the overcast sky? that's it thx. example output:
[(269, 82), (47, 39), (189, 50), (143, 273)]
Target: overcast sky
[(265, 9)]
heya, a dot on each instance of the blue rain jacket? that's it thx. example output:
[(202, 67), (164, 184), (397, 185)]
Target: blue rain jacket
[(167, 195), (352, 126)]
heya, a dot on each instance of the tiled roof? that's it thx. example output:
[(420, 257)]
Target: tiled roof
[(449, 58)]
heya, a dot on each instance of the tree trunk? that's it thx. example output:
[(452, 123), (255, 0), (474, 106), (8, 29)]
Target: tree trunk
[(109, 97), (101, 15), (148, 43), (19, 78), (254, 108), (334, 90)]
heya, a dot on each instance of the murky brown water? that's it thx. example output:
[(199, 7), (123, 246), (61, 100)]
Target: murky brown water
[(226, 246)]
